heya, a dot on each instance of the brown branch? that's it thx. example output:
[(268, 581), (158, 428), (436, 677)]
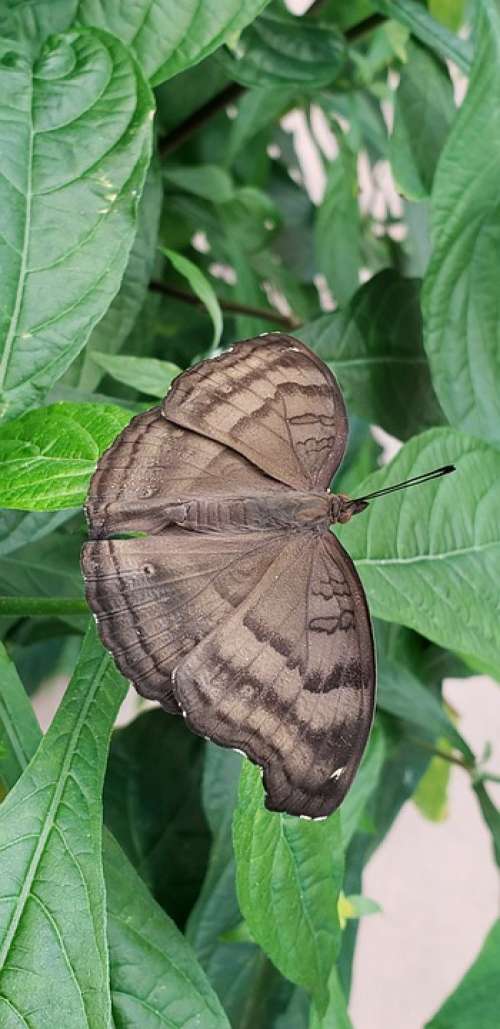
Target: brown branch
[(174, 139), (364, 27), (444, 755), (267, 314)]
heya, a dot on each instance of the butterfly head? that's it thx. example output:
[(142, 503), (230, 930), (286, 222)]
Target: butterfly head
[(342, 508)]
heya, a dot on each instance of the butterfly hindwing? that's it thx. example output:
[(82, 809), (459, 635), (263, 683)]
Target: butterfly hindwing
[(289, 677), (271, 400), (154, 599)]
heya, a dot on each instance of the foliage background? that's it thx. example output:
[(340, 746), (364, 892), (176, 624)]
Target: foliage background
[(153, 209)]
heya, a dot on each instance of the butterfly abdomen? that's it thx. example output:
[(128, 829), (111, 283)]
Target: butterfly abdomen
[(273, 511)]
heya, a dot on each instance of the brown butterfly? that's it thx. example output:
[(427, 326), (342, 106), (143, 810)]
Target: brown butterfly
[(240, 608)]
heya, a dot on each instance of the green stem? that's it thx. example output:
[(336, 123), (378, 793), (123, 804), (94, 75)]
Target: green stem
[(32, 607)]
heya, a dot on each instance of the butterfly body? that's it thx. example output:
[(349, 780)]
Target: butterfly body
[(240, 608)]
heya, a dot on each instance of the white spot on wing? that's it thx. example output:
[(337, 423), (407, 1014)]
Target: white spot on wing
[(337, 773)]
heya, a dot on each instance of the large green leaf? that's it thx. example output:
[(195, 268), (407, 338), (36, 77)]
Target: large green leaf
[(424, 111), (163, 832), (375, 348), (165, 36), (52, 917), (76, 138), (289, 874), (461, 298), (279, 49), (474, 1003), (47, 456), (19, 732), (154, 974), (429, 557)]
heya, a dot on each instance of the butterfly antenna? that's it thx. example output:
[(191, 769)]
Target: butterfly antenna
[(426, 477)]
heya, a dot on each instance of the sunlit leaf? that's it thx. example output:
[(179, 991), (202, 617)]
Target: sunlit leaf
[(47, 456)]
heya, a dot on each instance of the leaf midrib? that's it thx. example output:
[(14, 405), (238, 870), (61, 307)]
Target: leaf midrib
[(50, 817), (11, 335)]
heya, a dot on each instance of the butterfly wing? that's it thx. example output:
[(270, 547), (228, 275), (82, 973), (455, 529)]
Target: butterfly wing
[(154, 462), (154, 599), (289, 677), (271, 400)]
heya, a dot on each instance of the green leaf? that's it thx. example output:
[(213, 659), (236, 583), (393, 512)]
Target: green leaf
[(19, 732), (491, 816), (231, 967), (279, 49), (461, 290), (431, 794), (208, 181), (364, 785), (416, 17), (48, 569), (18, 528), (423, 113), (337, 230), (289, 874), (258, 108), (449, 12), (201, 286), (375, 349), (145, 374), (47, 456), (402, 694), (159, 829), (474, 1003), (155, 978), (336, 1015), (165, 37), (52, 919), (153, 972), (76, 145), (429, 557), (111, 332)]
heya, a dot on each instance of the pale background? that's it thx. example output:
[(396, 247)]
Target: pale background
[(436, 883)]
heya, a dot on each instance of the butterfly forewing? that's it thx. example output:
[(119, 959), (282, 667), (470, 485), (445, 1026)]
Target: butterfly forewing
[(154, 463), (289, 677), (272, 401)]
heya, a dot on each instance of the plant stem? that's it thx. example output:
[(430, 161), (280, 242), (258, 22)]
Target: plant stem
[(32, 607), (364, 27), (444, 754), (267, 314), (174, 139)]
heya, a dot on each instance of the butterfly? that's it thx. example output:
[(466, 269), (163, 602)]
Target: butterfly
[(238, 607)]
